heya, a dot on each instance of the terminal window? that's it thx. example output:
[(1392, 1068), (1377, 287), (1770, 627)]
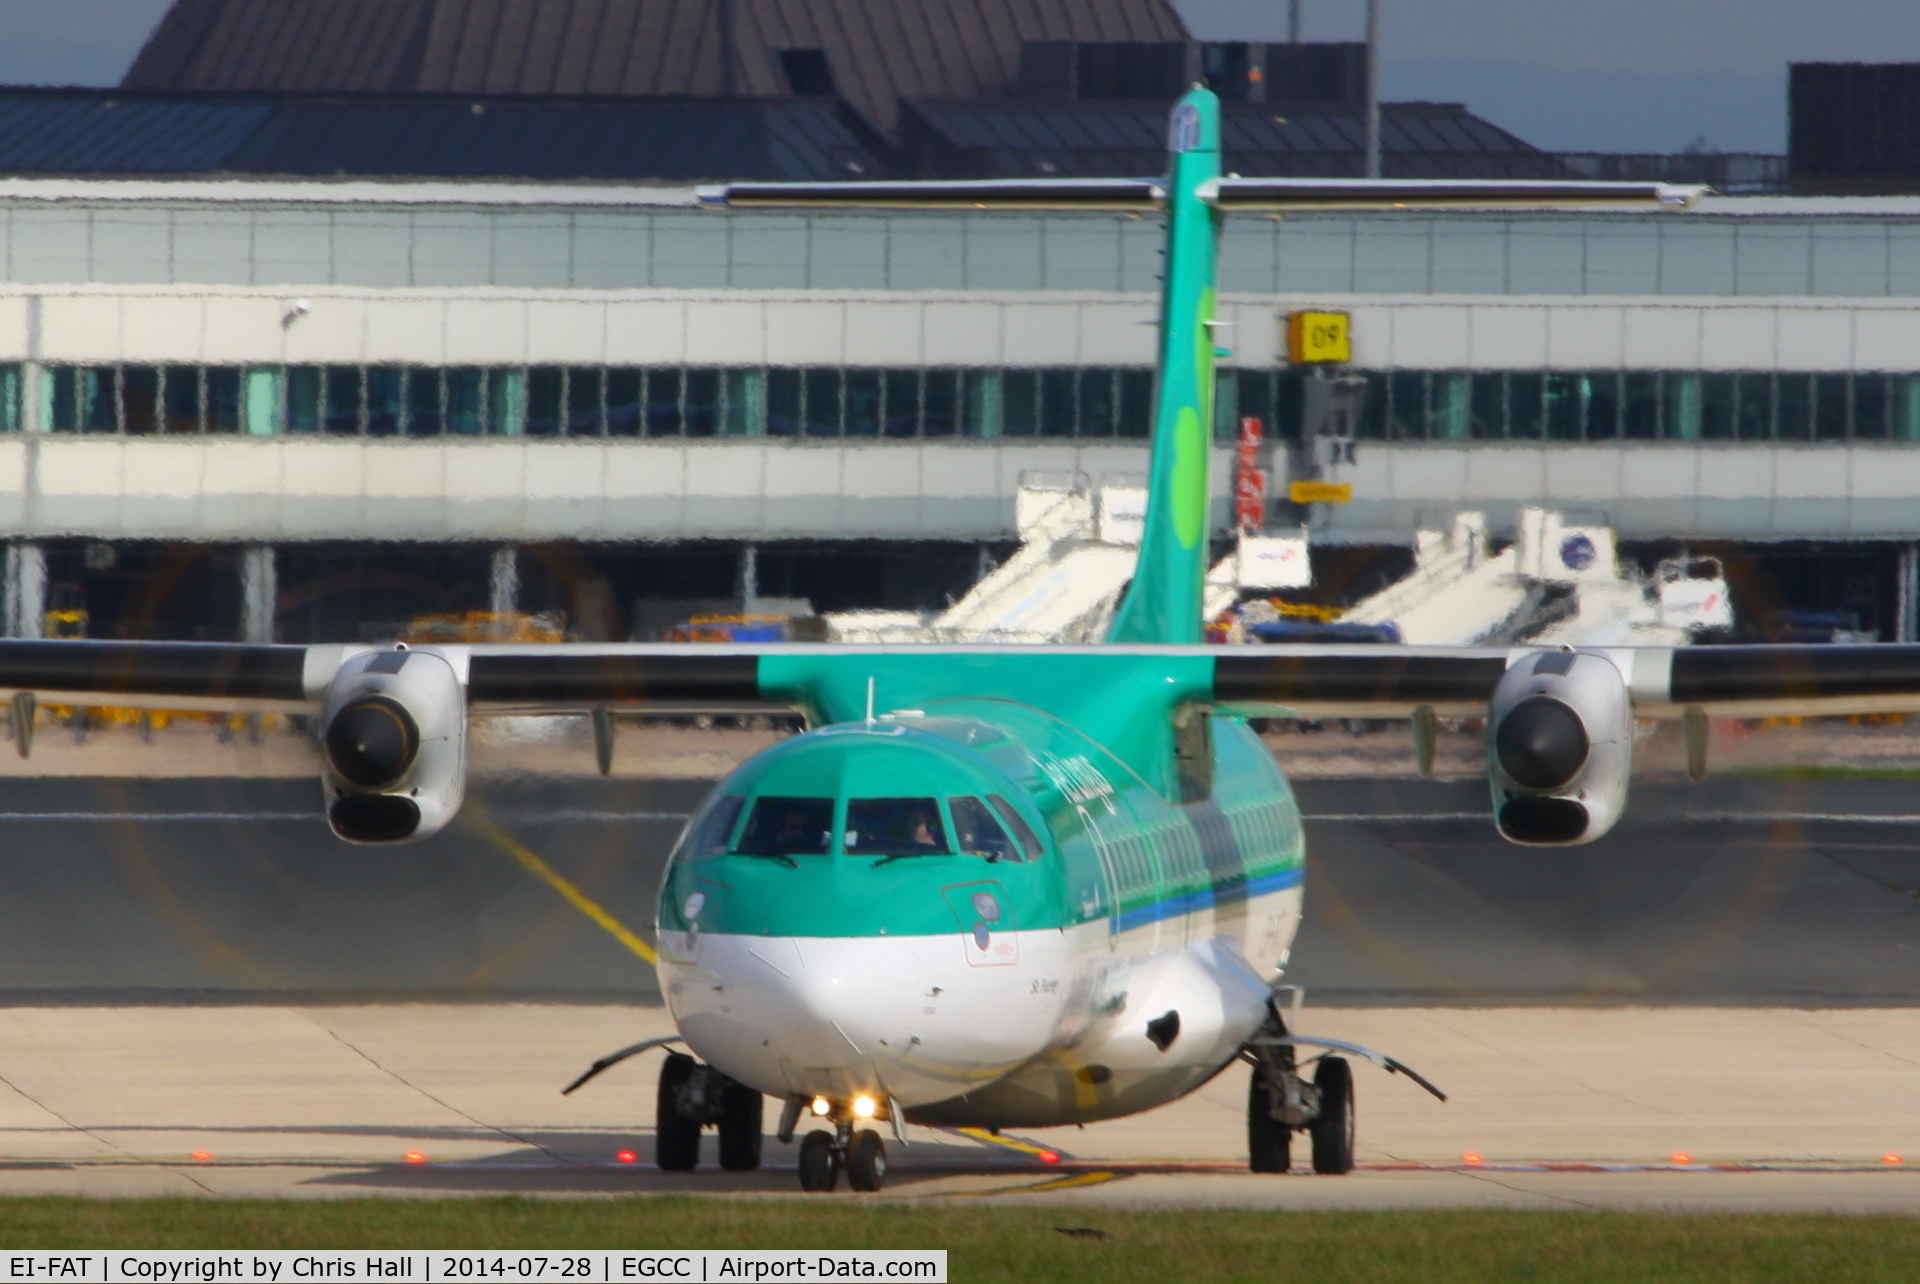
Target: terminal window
[(1463, 406), (933, 403)]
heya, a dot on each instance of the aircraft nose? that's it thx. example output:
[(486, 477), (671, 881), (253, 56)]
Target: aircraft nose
[(852, 999)]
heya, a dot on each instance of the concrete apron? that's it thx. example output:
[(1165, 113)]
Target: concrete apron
[(1681, 1108)]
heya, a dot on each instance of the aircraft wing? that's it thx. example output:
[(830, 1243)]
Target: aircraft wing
[(392, 720), (1559, 722), (165, 675), (1356, 681), (1660, 682), (253, 678)]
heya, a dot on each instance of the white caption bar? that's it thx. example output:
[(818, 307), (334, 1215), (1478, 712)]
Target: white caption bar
[(286, 1265)]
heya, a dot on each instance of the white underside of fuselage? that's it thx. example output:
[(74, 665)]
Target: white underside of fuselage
[(1038, 1028)]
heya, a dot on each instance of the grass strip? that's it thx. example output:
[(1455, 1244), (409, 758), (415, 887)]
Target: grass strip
[(1816, 771), (1024, 1243)]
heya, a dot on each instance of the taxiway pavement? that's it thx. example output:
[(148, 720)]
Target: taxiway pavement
[(1771, 1108), (196, 966)]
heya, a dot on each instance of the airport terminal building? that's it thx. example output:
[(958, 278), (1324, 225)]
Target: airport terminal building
[(335, 315), (581, 397)]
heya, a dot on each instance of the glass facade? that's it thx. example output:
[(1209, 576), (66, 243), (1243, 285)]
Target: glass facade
[(601, 401), (1099, 402), (1604, 405)]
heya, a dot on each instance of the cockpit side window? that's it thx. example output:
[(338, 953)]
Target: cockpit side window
[(894, 827), (788, 827), (978, 833), (710, 831), (1029, 841)]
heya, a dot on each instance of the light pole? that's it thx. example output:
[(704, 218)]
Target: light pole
[(1373, 88)]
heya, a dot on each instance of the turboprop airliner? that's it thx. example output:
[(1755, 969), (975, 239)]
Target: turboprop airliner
[(1017, 886)]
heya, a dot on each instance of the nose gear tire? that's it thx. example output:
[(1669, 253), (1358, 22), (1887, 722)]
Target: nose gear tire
[(1269, 1142), (676, 1138), (1332, 1132), (740, 1128), (866, 1161), (819, 1162)]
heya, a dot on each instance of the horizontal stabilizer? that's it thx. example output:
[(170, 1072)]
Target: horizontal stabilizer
[(1013, 193), (1436, 193)]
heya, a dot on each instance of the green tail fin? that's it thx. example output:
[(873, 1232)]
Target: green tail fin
[(1164, 601)]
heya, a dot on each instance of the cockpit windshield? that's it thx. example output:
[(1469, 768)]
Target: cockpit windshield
[(894, 827), (979, 833), (712, 828), (788, 827)]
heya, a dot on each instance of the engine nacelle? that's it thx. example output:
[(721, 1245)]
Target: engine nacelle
[(393, 742), (1559, 748)]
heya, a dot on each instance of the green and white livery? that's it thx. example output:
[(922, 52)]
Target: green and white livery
[(1003, 887)]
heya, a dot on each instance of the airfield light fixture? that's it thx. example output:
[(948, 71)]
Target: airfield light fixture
[(626, 1156)]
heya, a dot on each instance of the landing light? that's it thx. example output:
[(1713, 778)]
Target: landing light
[(822, 1107), (863, 1106)]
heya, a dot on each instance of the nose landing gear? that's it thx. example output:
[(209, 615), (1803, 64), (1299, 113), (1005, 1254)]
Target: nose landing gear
[(866, 1161), (862, 1154), (692, 1096), (819, 1162)]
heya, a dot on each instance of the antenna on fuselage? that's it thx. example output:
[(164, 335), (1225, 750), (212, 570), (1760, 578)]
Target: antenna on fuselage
[(869, 699)]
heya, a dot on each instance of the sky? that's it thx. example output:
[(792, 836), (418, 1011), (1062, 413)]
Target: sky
[(1598, 75), (1567, 75)]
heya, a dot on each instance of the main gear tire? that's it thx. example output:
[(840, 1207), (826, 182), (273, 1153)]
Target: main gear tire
[(1333, 1129), (1269, 1141)]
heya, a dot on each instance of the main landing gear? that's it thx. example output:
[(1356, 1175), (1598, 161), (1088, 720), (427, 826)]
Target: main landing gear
[(824, 1154), (692, 1096), (1280, 1102)]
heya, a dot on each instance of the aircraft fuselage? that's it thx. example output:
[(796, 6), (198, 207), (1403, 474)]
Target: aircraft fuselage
[(977, 912)]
